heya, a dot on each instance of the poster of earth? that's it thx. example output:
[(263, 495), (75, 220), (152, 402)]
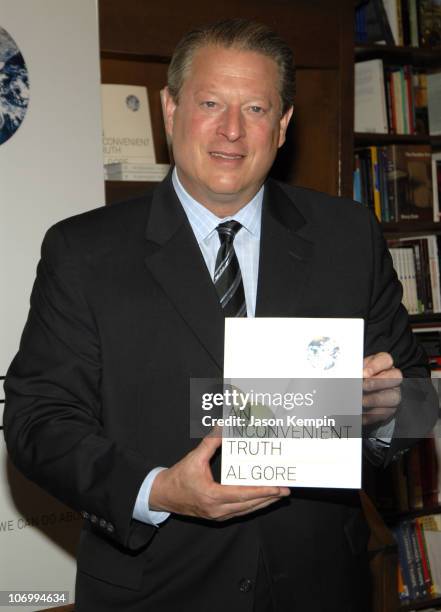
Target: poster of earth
[(14, 87)]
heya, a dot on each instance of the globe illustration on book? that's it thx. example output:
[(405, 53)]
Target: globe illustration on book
[(14, 87), (133, 102), (322, 353)]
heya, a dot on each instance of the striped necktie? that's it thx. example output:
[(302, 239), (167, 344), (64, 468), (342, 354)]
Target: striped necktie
[(227, 275)]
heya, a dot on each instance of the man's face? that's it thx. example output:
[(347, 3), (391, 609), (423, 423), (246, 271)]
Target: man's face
[(227, 126)]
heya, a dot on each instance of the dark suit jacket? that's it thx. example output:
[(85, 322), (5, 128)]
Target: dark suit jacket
[(123, 314)]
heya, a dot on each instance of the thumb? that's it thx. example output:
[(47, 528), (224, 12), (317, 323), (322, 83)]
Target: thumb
[(208, 445)]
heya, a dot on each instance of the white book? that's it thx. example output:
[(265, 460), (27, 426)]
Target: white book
[(434, 102), (135, 172), (436, 184), (390, 6), (370, 97), (127, 127), (413, 293), (299, 374)]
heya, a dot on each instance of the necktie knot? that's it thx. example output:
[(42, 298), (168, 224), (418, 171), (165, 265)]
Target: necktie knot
[(227, 231)]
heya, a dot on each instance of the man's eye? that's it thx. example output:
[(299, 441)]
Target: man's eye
[(256, 109), (209, 104)]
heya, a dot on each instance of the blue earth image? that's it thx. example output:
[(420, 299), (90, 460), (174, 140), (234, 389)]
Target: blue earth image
[(322, 353), (14, 87)]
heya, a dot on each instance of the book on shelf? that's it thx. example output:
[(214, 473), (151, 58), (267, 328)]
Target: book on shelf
[(127, 128), (411, 173), (391, 8), (370, 99)]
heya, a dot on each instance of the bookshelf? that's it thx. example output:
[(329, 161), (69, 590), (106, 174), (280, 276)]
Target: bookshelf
[(427, 59)]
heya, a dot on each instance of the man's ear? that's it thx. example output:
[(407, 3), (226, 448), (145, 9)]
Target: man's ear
[(284, 121), (169, 107)]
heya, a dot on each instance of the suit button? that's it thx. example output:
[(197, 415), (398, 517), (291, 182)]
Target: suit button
[(103, 523), (85, 514), (245, 585), (93, 518), (110, 528)]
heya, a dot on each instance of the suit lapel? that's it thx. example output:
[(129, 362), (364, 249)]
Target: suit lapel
[(285, 256), (176, 262)]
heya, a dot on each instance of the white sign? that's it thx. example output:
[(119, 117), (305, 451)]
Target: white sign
[(51, 167)]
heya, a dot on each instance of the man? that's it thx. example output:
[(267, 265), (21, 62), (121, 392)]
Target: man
[(129, 305)]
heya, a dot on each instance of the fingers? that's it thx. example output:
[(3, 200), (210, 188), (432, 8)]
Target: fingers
[(208, 446), (374, 364), (228, 494), (384, 380), (384, 398), (236, 512), (225, 504)]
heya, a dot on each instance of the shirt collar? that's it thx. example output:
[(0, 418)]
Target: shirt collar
[(204, 222)]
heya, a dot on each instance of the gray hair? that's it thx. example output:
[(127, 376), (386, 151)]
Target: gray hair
[(240, 34)]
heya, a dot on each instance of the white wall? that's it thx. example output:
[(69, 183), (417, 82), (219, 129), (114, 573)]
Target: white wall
[(50, 169)]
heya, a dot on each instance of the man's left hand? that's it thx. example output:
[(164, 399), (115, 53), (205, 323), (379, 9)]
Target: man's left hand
[(381, 388)]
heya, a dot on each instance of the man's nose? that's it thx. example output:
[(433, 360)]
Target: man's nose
[(232, 124)]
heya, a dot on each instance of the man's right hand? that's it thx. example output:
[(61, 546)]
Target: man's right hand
[(188, 488)]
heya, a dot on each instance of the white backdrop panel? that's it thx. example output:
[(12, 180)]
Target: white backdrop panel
[(50, 169)]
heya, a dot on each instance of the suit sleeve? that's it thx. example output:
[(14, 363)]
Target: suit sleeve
[(387, 329), (52, 421), (387, 324)]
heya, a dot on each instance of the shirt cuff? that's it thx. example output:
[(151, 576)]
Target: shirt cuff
[(141, 511), (384, 434)]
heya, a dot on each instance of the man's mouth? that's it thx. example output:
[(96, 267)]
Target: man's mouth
[(223, 155)]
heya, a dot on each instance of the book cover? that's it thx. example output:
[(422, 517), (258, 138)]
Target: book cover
[(298, 419), (127, 128), (391, 9), (370, 97), (410, 181)]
